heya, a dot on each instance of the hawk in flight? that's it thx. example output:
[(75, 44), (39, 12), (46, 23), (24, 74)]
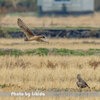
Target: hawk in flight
[(30, 36)]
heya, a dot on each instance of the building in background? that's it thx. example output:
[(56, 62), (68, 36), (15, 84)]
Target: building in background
[(97, 5), (68, 6)]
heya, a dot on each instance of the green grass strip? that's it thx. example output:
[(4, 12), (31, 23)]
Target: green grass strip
[(46, 52)]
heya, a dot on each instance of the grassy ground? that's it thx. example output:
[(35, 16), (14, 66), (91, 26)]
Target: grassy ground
[(72, 44), (29, 73), (48, 52), (48, 98), (53, 72), (33, 72), (69, 21), (17, 29)]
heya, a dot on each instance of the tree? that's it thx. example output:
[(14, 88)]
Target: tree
[(14, 3)]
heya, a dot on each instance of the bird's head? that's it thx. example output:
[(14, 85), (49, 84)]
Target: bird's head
[(43, 39), (78, 76), (43, 36)]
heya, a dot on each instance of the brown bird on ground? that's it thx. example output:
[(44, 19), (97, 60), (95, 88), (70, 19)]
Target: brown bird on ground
[(81, 83), (30, 36)]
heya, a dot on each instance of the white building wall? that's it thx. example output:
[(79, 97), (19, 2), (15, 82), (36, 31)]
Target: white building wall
[(81, 5), (74, 6), (47, 5), (39, 2), (88, 5)]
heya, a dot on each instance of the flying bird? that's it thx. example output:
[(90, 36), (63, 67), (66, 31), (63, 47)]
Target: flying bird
[(81, 83), (30, 36)]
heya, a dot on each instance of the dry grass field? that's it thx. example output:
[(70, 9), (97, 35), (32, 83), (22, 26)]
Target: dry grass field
[(92, 20), (28, 73), (48, 98), (53, 43), (43, 73)]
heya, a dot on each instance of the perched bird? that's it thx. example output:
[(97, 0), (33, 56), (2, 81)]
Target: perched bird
[(30, 36), (81, 83)]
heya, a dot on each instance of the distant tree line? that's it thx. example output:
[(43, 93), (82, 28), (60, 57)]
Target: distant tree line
[(18, 5)]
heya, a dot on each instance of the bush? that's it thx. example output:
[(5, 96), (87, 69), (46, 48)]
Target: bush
[(18, 5), (4, 33)]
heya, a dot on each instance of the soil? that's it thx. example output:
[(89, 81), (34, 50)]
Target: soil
[(60, 33)]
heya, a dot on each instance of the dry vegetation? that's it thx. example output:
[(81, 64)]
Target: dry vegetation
[(47, 72), (92, 20), (28, 73), (48, 98), (53, 43)]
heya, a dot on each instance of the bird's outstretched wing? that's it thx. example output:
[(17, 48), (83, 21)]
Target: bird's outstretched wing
[(25, 28)]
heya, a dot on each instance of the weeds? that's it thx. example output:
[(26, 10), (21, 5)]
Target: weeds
[(48, 72), (50, 64), (45, 52), (94, 64)]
